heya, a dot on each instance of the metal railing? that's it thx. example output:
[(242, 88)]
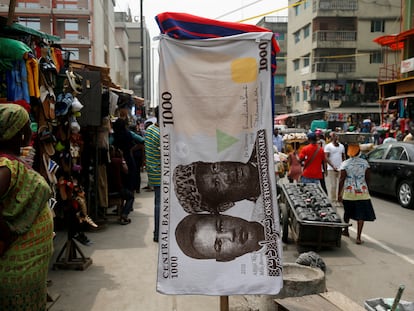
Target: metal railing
[(326, 35), (350, 5), (334, 67), (389, 73)]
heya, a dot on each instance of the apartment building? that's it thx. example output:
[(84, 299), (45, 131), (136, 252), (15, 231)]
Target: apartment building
[(332, 61), (86, 28), (92, 33), (139, 58)]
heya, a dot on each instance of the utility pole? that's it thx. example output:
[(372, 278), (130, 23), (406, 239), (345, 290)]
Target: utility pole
[(10, 16), (142, 49)]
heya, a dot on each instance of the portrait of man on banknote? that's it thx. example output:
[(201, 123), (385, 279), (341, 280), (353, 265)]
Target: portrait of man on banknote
[(219, 237), (214, 187)]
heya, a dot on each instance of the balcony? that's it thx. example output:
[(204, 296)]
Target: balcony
[(389, 73), (336, 67), (71, 12), (334, 8), (334, 39), (76, 42), (329, 5)]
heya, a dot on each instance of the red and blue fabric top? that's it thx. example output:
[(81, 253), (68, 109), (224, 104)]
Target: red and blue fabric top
[(187, 26)]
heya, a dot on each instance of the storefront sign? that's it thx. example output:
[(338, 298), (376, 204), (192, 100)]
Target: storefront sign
[(219, 222), (407, 65)]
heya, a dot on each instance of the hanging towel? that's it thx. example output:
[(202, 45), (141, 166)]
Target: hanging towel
[(187, 26)]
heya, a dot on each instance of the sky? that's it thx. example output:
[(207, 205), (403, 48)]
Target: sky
[(225, 10)]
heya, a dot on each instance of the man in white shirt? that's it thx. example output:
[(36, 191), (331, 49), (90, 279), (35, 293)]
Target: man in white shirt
[(335, 152)]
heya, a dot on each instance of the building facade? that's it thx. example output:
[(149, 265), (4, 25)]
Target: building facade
[(332, 61), (86, 29), (90, 32), (396, 78), (139, 55)]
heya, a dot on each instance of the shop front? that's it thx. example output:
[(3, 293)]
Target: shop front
[(344, 117)]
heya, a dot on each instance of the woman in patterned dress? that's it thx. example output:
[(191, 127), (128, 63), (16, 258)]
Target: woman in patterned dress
[(353, 191), (25, 219)]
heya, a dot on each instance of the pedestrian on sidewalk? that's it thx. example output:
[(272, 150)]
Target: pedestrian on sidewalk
[(118, 183), (353, 191), (153, 166), (124, 140), (278, 140), (313, 157), (320, 139), (295, 166), (335, 152), (26, 221), (147, 123)]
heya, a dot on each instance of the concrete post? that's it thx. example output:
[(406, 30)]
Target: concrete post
[(298, 280)]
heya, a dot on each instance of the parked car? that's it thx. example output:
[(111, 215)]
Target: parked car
[(392, 171)]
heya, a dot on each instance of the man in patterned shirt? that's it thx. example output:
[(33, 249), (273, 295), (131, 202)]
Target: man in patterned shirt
[(153, 166)]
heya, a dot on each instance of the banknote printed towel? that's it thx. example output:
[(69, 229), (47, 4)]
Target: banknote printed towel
[(219, 220)]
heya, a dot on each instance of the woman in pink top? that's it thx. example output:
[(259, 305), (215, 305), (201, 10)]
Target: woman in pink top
[(295, 166)]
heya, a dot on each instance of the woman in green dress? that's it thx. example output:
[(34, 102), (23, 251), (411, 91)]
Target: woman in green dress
[(26, 237)]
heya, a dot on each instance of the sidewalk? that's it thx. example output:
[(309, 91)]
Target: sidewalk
[(124, 269)]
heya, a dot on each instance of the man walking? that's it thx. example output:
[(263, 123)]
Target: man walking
[(335, 152), (153, 166), (314, 158)]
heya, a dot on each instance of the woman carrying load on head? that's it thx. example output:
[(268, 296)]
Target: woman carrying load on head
[(353, 191)]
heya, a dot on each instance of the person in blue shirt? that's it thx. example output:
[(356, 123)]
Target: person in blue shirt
[(278, 140)]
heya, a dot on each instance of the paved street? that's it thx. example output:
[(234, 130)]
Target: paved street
[(123, 273)]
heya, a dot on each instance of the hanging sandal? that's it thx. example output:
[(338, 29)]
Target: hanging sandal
[(90, 222)]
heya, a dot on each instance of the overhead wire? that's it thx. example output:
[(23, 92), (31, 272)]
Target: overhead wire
[(274, 11), (294, 5), (238, 9)]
